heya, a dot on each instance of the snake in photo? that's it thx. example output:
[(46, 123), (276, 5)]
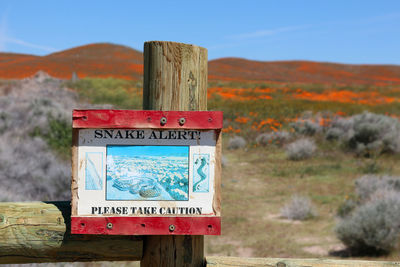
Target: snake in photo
[(200, 172)]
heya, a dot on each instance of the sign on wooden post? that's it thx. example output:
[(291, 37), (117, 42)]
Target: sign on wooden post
[(146, 172)]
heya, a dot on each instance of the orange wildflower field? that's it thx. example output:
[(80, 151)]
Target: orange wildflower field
[(254, 108), (250, 109)]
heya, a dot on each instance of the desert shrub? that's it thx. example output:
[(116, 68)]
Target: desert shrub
[(30, 171), (347, 207), (236, 142), (298, 208), (365, 188), (311, 124), (279, 138), (373, 227), (301, 149), (370, 223), (367, 185), (306, 127), (334, 134), (35, 122), (367, 133)]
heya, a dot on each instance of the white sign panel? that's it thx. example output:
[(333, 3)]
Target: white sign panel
[(146, 172)]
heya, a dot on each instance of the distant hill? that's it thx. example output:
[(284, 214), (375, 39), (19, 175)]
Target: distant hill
[(236, 69), (95, 60), (110, 60), (11, 57)]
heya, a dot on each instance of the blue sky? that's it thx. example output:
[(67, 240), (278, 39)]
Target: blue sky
[(132, 151), (334, 31)]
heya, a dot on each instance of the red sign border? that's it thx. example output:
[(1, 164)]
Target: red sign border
[(146, 119), (146, 225)]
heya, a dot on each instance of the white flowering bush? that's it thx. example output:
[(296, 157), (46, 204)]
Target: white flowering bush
[(301, 149), (371, 224), (299, 208), (236, 142), (367, 133)]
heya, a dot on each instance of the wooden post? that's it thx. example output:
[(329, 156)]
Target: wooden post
[(175, 78)]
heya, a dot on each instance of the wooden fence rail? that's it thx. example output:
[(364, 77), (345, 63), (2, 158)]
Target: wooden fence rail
[(33, 232), (278, 262)]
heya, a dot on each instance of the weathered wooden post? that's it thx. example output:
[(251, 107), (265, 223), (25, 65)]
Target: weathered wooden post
[(175, 78)]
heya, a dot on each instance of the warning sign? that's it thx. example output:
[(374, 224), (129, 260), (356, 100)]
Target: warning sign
[(151, 168)]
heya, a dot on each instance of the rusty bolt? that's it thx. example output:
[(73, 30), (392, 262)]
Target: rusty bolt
[(109, 225), (182, 121), (172, 227), (163, 121)]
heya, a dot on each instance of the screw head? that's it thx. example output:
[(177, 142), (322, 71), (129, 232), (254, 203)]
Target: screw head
[(182, 121), (109, 225), (172, 227), (163, 120)]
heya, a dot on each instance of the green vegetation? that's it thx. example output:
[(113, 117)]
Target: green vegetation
[(58, 135), (122, 94)]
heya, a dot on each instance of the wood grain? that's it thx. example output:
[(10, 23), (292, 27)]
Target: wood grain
[(175, 78), (278, 262), (37, 232), (217, 175), (173, 251), (74, 172)]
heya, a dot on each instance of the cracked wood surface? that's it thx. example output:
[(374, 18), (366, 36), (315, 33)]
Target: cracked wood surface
[(35, 232)]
